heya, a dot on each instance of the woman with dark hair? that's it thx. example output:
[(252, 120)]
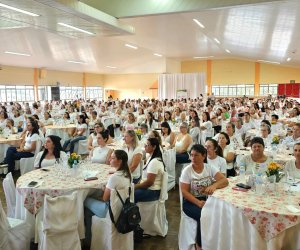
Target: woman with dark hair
[(168, 117), (195, 130), (197, 181), (215, 156), (148, 189), (206, 127), (27, 147), (228, 152), (293, 166), (3, 117), (66, 118), (121, 179), (101, 153), (92, 139), (257, 161), (150, 121), (167, 134), (18, 120), (80, 133), (52, 153)]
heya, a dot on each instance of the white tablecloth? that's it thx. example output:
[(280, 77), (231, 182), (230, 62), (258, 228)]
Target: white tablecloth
[(243, 220), (29, 201)]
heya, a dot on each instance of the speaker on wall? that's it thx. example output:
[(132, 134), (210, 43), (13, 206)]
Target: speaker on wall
[(55, 93)]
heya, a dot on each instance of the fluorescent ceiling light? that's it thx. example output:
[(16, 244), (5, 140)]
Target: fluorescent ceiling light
[(111, 67), (228, 51), (156, 54), (16, 53), (200, 24), (131, 46), (77, 62), (288, 59), (75, 28), (202, 57), (18, 10), (264, 61), (217, 41)]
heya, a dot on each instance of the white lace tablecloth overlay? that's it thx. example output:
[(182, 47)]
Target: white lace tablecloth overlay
[(267, 213), (56, 184)]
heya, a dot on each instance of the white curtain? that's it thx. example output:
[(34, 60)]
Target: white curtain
[(168, 84)]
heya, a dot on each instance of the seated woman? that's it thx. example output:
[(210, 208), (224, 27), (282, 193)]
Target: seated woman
[(135, 154), (130, 124), (155, 134), (92, 139), (167, 135), (151, 123), (52, 153), (148, 189), (27, 147), (215, 156), (265, 134), (197, 181), (101, 153), (144, 130), (293, 166), (207, 130), (257, 161), (79, 134), (182, 143), (9, 128), (195, 130), (228, 152), (18, 120), (121, 179)]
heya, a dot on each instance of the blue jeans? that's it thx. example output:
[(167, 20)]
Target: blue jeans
[(183, 158), (92, 207), (146, 195), (12, 154), (193, 211), (72, 142)]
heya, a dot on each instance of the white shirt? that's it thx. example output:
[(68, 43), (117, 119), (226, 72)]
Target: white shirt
[(100, 154), (250, 165), (49, 162), (290, 141), (218, 163), (154, 167), (29, 139), (83, 126), (291, 166), (195, 133), (198, 181), (227, 150), (131, 153), (118, 181)]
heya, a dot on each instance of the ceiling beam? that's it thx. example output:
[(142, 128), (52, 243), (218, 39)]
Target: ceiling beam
[(133, 8)]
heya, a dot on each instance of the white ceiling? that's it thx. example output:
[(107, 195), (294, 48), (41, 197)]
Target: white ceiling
[(267, 31)]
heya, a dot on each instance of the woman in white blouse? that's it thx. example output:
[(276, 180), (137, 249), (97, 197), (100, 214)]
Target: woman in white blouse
[(195, 130), (101, 153), (52, 153), (206, 127), (135, 154), (228, 152), (167, 135), (130, 124), (151, 123), (182, 144), (92, 139), (293, 166)]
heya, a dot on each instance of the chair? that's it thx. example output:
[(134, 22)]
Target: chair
[(81, 147), (187, 229), (59, 228), (153, 213), (169, 158), (26, 164), (178, 169), (10, 194), (104, 234), (14, 233)]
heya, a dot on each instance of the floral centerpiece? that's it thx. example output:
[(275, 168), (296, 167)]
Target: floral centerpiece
[(274, 169), (139, 133), (173, 121), (73, 157), (275, 140)]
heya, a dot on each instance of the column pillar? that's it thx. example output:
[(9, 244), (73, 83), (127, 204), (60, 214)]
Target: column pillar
[(208, 77), (36, 84), (257, 79)]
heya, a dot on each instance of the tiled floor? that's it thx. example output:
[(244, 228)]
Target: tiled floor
[(170, 242)]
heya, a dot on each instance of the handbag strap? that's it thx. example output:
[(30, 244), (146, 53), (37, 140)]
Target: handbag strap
[(109, 207)]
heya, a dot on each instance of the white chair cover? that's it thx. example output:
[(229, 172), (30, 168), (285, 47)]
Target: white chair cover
[(60, 223), (153, 213), (10, 195), (187, 229), (107, 121), (169, 158), (14, 233), (104, 234), (178, 169), (81, 147), (26, 164)]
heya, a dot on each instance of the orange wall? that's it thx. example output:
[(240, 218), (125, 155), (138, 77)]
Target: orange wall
[(278, 74)]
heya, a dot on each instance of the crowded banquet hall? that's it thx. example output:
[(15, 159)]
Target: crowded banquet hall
[(136, 125)]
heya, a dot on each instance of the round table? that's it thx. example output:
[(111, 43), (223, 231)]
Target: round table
[(56, 182), (5, 142)]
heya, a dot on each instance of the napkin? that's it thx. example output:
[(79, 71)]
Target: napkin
[(90, 173), (39, 183), (292, 209)]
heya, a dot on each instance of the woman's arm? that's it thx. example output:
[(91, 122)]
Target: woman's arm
[(172, 139), (90, 142), (136, 160), (229, 157), (106, 194), (185, 190), (147, 183), (221, 182), (108, 156), (80, 131), (31, 149), (185, 145)]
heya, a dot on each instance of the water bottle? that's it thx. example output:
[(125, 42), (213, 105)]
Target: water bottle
[(242, 173), (259, 184), (75, 165)]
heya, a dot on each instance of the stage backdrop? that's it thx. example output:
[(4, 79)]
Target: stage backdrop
[(169, 84)]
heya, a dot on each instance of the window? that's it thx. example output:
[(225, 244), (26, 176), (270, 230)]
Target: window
[(71, 93), (11, 93), (233, 90), (43, 93), (94, 93), (266, 89)]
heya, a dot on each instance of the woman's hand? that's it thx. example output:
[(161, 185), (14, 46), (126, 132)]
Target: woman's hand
[(210, 189), (200, 203)]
